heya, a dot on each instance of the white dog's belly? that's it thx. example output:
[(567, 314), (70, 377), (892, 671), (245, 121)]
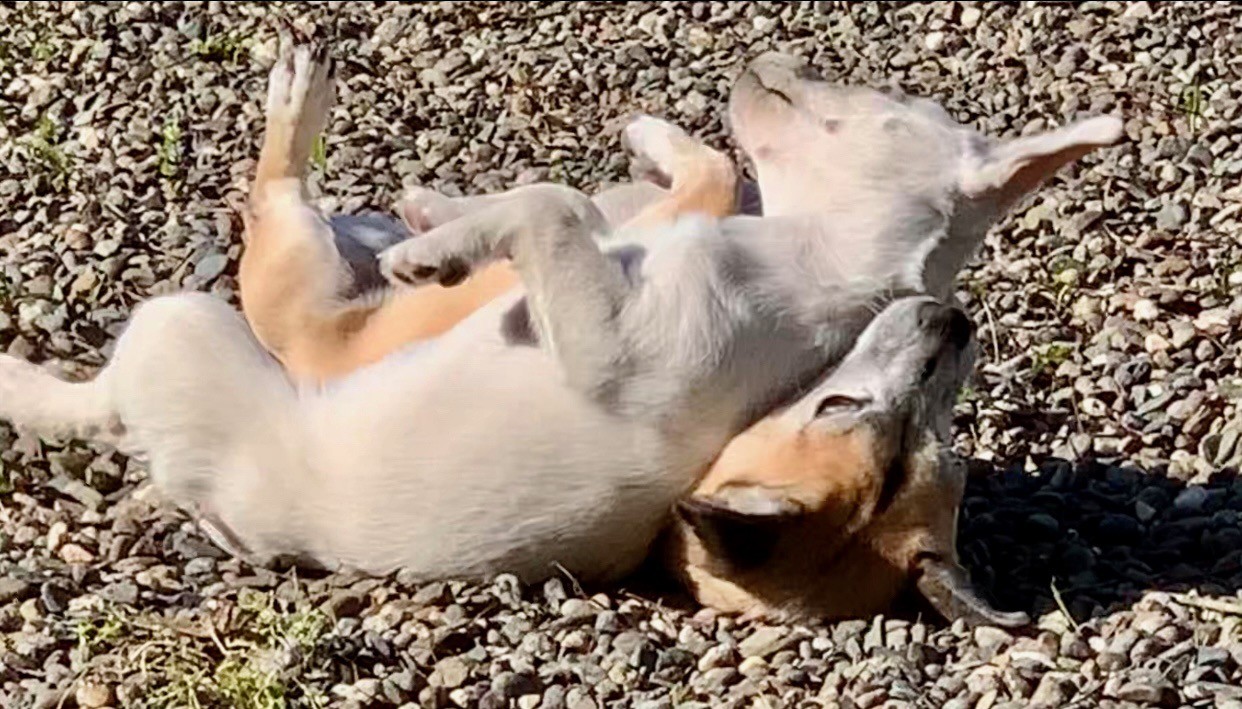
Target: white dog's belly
[(474, 460)]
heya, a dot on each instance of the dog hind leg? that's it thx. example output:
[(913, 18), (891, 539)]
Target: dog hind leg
[(188, 386)]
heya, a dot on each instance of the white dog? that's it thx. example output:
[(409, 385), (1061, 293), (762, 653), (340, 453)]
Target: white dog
[(559, 425)]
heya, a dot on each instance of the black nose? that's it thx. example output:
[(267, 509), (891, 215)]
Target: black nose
[(951, 321), (961, 329), (806, 72)]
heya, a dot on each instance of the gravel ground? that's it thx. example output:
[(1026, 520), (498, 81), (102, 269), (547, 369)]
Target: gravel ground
[(1103, 424)]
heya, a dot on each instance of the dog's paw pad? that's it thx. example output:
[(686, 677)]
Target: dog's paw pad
[(404, 265)]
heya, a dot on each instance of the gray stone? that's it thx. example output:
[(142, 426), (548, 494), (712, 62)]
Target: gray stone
[(450, 673), (1171, 217), (764, 641)]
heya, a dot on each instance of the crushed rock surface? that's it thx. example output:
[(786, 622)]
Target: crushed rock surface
[(1103, 423)]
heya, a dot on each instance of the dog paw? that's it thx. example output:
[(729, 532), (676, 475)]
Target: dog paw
[(655, 145), (301, 86), (424, 209), (417, 262)]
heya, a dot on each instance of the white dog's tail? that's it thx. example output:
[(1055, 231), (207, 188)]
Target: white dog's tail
[(33, 398)]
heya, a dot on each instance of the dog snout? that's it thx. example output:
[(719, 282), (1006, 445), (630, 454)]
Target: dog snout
[(779, 73), (961, 329)]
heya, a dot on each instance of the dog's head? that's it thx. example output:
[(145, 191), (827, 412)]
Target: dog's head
[(834, 505), (889, 164)]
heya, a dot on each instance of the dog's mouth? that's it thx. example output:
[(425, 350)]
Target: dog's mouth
[(770, 89)]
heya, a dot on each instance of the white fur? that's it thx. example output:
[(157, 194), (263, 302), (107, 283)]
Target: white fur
[(478, 452)]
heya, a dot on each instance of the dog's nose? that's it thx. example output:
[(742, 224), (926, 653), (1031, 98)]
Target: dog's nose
[(777, 71), (961, 329), (931, 314), (951, 322)]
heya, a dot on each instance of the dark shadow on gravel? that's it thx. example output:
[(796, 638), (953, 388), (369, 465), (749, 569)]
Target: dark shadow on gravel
[(1103, 533)]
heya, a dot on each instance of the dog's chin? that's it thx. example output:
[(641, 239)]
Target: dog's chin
[(725, 597)]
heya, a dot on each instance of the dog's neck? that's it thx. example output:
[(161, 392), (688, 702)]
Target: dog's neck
[(850, 255)]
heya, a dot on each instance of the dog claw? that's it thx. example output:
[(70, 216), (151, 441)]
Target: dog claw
[(219, 534), (398, 267), (453, 271)]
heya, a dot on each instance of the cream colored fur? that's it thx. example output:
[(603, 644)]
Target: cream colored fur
[(560, 423)]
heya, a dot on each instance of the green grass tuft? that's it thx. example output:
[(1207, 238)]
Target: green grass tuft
[(171, 151), (319, 153), (1047, 358), (226, 47), (46, 154), (1192, 102), (97, 632), (968, 395), (181, 664)]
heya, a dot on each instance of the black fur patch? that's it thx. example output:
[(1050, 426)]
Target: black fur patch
[(741, 540)]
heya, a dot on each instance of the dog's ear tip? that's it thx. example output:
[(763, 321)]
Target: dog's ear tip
[(738, 525), (750, 501), (695, 509)]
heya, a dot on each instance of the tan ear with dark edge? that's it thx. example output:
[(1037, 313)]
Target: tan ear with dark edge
[(739, 525), (1015, 168)]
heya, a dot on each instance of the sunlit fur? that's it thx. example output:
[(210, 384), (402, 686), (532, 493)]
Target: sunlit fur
[(856, 494), (492, 448)]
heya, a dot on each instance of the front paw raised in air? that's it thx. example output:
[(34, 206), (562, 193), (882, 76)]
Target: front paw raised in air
[(417, 262), (301, 87)]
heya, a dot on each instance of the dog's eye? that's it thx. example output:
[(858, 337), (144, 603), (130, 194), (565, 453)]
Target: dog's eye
[(838, 403)]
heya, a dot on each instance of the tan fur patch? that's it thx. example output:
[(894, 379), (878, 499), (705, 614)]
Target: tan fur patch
[(836, 478), (287, 278)]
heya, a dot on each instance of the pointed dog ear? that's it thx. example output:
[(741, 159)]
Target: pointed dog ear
[(741, 524), (1014, 169)]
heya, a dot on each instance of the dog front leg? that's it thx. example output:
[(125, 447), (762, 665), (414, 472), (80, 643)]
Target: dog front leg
[(575, 293), (674, 175), (700, 179)]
